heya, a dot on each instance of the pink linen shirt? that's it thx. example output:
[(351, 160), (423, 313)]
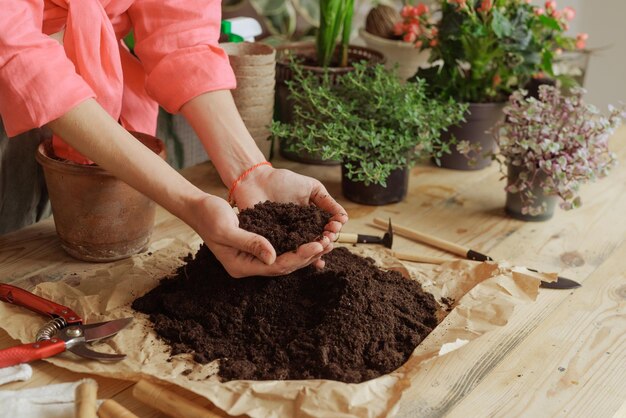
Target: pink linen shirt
[(176, 42)]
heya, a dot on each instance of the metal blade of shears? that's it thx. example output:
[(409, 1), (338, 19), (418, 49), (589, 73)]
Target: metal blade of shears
[(83, 351), (100, 330)]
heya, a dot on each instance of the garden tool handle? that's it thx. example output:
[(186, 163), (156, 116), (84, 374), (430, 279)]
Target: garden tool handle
[(26, 353), (349, 238), (168, 402), (86, 396), (419, 258), (20, 297), (425, 238), (112, 409)]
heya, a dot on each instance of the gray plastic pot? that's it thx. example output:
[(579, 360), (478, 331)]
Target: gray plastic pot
[(479, 119), (513, 205)]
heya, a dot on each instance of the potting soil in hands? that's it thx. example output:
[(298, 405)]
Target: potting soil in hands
[(350, 321)]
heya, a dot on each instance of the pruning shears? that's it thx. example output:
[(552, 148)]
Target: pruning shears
[(65, 331)]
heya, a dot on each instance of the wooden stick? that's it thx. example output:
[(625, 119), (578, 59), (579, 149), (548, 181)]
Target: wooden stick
[(418, 258), (425, 238), (168, 402), (86, 399), (112, 409)]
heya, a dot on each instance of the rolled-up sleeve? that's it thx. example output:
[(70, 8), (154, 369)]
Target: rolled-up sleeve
[(177, 43), (38, 83)]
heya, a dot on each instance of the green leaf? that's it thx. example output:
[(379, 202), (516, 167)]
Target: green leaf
[(550, 22), (501, 25)]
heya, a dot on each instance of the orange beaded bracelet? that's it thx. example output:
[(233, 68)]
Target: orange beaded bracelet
[(243, 176)]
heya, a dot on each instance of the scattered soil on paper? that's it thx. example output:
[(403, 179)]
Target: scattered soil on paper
[(349, 322)]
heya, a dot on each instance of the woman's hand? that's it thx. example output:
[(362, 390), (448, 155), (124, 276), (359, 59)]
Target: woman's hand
[(284, 186), (243, 253)]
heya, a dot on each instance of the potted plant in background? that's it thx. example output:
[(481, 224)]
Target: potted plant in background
[(394, 34), (373, 123), (481, 51), (550, 146), (324, 58)]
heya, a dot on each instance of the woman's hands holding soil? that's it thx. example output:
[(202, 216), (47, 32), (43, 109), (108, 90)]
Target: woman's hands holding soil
[(284, 186), (243, 253)]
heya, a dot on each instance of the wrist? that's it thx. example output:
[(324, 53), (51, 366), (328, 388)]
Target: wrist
[(248, 178)]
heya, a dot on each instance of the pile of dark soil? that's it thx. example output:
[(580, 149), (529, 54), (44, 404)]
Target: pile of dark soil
[(350, 321)]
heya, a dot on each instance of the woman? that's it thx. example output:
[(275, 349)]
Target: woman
[(63, 65)]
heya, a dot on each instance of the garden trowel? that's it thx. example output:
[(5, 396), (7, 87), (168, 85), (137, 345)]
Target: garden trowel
[(386, 240), (560, 283)]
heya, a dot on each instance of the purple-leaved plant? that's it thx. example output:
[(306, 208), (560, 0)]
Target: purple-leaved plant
[(557, 135)]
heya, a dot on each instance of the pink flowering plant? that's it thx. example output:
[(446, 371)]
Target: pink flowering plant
[(558, 141), (482, 50)]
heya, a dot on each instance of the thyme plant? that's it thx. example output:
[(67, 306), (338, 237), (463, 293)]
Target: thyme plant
[(369, 120)]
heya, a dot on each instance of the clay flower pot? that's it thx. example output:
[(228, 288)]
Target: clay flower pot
[(375, 194), (400, 53), (97, 217), (254, 65), (307, 52), (479, 118), (513, 206)]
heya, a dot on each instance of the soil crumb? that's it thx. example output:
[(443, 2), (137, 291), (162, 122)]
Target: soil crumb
[(349, 322), (285, 225)]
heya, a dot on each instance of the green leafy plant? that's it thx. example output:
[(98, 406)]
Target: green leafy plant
[(482, 50), (335, 19), (558, 136), (369, 119)]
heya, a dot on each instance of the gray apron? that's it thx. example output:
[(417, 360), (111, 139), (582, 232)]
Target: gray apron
[(23, 194)]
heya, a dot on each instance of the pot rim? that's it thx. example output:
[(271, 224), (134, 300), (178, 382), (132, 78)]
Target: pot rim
[(385, 41), (302, 47), (43, 158)]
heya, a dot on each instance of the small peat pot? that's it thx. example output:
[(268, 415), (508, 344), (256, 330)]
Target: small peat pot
[(479, 119), (98, 218), (513, 205), (375, 194)]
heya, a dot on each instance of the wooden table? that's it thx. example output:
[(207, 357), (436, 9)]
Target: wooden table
[(565, 354)]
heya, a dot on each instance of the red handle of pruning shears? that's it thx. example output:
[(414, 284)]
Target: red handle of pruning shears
[(24, 298), (26, 353)]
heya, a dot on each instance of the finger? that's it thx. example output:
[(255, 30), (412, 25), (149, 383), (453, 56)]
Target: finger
[(250, 243), (319, 264), (333, 226), (322, 199)]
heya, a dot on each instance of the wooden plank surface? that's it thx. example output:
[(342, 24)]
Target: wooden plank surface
[(513, 371)]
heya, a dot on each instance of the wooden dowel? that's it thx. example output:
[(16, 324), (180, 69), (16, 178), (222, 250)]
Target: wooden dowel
[(86, 399), (168, 402), (424, 238), (347, 238), (112, 409), (418, 258)]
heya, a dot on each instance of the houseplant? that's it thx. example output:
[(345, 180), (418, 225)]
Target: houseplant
[(324, 57), (97, 216), (481, 51), (371, 122), (393, 33), (549, 147)]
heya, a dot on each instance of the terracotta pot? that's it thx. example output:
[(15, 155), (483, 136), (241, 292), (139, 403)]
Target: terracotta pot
[(254, 65), (375, 194), (284, 105), (479, 118), (513, 206), (98, 217), (400, 53)]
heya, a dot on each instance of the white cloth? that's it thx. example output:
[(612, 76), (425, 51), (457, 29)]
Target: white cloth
[(21, 372), (53, 401)]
